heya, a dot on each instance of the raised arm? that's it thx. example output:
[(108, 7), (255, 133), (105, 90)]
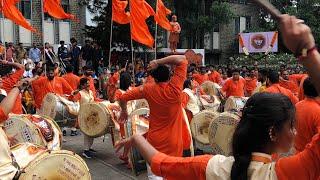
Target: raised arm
[(13, 64), (297, 36), (167, 166)]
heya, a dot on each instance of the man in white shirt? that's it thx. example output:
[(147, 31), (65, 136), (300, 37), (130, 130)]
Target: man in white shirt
[(35, 54)]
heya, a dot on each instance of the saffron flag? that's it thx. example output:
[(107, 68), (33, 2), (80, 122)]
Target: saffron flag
[(161, 16), (54, 9), (118, 12), (11, 12), (140, 10)]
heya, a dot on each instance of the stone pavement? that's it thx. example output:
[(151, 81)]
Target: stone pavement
[(105, 165)]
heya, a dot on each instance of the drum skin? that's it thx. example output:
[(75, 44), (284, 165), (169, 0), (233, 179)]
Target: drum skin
[(64, 112), (60, 165), (210, 88), (235, 103), (135, 125), (24, 153), (95, 118), (23, 129), (141, 103), (200, 126), (221, 131)]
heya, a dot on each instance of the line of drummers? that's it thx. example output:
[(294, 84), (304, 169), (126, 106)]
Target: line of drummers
[(213, 106)]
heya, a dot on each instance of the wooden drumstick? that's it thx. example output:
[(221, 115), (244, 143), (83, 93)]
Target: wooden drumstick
[(269, 8)]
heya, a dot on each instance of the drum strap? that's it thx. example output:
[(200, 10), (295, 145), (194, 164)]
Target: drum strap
[(185, 117)]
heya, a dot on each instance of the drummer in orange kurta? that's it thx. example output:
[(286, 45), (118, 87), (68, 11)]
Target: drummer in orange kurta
[(167, 125), (8, 83), (202, 77), (50, 84), (251, 83), (71, 78), (214, 76), (288, 84), (274, 87), (307, 116), (112, 84), (234, 86)]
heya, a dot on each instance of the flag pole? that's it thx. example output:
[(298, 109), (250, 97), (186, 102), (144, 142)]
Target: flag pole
[(132, 55), (110, 43), (156, 34), (43, 41), (2, 34)]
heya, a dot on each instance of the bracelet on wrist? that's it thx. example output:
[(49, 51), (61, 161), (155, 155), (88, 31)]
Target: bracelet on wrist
[(306, 52)]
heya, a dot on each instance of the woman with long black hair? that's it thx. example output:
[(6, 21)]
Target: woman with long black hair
[(266, 127)]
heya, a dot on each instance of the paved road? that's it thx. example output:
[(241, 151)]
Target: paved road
[(105, 165)]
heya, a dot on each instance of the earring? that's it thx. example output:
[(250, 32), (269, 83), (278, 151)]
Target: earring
[(272, 138)]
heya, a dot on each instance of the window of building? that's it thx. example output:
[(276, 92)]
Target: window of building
[(248, 22), (65, 5), (237, 25), (25, 8)]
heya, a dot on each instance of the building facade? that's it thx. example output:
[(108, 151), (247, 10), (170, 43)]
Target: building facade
[(222, 43), (53, 30)]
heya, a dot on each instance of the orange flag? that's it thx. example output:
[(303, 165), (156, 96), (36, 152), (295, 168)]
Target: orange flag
[(11, 12), (54, 9), (140, 10), (118, 12), (161, 16)]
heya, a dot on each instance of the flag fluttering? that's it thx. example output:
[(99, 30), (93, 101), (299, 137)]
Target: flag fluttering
[(119, 13), (11, 12), (140, 10), (54, 9), (161, 16)]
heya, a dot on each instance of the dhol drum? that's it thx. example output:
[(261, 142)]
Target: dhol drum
[(200, 129), (211, 88), (34, 129), (235, 104), (38, 163), (99, 118), (141, 103), (221, 131), (138, 124), (63, 111), (210, 102)]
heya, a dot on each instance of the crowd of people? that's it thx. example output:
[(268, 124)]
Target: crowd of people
[(281, 104)]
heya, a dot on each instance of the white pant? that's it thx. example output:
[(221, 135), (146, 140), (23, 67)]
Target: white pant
[(87, 141), (151, 176)]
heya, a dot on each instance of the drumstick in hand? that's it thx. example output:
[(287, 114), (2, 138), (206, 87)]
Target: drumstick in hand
[(269, 8)]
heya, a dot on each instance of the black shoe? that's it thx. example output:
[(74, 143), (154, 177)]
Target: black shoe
[(74, 133), (92, 150), (87, 154), (64, 132)]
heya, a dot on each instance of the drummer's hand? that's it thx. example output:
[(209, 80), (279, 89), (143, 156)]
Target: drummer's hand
[(123, 116), (296, 35), (152, 65), (126, 144)]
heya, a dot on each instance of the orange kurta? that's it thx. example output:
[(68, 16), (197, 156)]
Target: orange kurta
[(291, 85), (72, 79), (234, 88), (301, 91), (307, 122), (3, 116), (112, 86), (251, 85), (215, 77), (276, 88), (43, 86), (200, 78), (293, 167), (167, 123), (8, 84)]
